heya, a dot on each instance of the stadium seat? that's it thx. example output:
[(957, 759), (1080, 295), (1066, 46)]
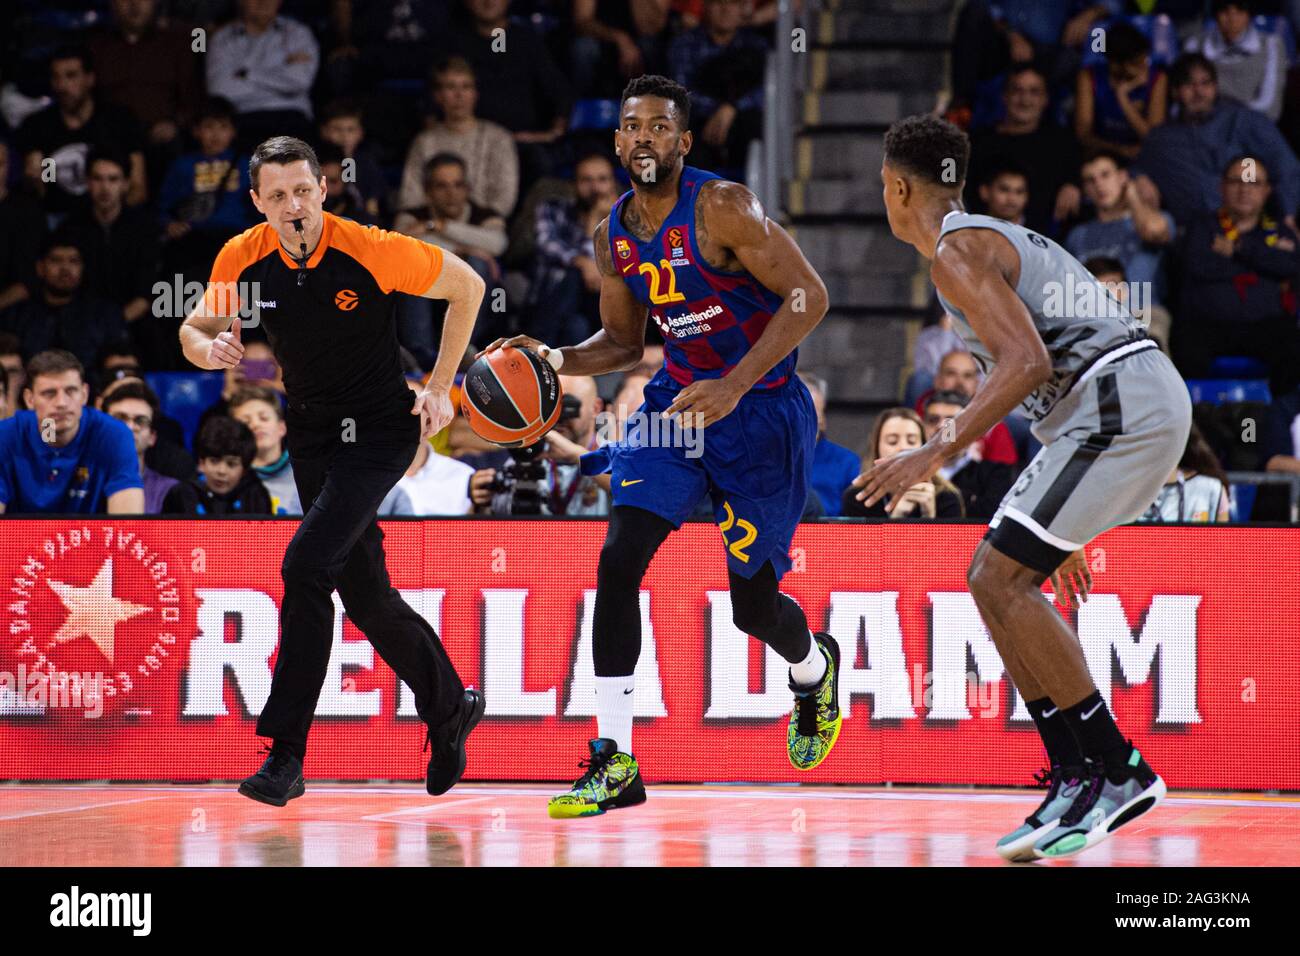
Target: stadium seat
[(594, 114), (1217, 391), (185, 396), (1243, 500), (1238, 366)]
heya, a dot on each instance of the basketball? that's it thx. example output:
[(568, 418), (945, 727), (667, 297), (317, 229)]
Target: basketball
[(511, 397)]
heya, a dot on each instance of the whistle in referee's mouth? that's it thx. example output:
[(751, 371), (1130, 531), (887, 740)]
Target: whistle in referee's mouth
[(302, 263)]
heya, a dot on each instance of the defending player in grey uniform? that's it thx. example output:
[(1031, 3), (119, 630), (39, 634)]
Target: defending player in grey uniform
[(1113, 416), (1109, 428)]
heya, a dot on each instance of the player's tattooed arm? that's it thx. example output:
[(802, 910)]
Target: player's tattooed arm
[(620, 342), (604, 258), (730, 217), (977, 271), (732, 222)]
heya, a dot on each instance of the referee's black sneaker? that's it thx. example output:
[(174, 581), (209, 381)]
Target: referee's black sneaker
[(278, 782), (447, 759)]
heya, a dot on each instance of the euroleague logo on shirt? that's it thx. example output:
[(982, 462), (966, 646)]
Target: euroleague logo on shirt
[(77, 488), (676, 250), (346, 300), (96, 602)]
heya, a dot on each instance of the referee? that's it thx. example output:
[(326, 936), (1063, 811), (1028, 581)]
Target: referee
[(322, 288)]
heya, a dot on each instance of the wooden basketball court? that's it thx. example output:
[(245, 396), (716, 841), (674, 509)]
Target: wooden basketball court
[(494, 825)]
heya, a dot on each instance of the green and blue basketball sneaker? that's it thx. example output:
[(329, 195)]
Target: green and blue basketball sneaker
[(815, 720), (612, 780), (1111, 796), (1063, 785)]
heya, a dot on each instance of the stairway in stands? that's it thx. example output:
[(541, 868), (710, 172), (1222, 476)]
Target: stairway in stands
[(871, 62)]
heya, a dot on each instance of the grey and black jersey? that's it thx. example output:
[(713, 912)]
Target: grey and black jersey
[(1078, 319), (1113, 422)]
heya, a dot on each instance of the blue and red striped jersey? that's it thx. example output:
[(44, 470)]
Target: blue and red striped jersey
[(709, 318)]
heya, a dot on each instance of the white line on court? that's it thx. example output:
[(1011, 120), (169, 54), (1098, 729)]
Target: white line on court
[(88, 806), (430, 808)]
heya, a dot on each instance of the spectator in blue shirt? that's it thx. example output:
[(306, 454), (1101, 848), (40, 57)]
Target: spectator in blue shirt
[(207, 191), (1126, 228), (1182, 162), (62, 457), (1119, 102), (204, 197), (834, 466), (721, 63)]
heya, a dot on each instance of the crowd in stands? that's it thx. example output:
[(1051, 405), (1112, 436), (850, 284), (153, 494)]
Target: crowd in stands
[(1154, 140), (481, 126)]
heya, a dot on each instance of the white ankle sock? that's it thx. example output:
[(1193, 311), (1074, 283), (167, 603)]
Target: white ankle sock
[(614, 709), (810, 670)]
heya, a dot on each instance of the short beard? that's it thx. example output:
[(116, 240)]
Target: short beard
[(636, 170)]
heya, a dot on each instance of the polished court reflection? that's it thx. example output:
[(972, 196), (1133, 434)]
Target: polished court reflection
[(131, 825)]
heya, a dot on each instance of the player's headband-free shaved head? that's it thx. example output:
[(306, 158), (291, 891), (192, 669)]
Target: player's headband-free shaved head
[(930, 148)]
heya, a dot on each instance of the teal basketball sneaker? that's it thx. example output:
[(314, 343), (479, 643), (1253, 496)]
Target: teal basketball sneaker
[(1111, 796), (1063, 785)]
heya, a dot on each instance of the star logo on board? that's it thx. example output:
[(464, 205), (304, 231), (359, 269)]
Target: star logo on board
[(93, 611), (97, 599)]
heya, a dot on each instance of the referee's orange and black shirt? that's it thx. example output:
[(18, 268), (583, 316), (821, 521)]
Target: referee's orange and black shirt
[(335, 335)]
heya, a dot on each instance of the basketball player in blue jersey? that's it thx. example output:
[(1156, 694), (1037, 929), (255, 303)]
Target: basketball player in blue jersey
[(1113, 416), (733, 296)]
